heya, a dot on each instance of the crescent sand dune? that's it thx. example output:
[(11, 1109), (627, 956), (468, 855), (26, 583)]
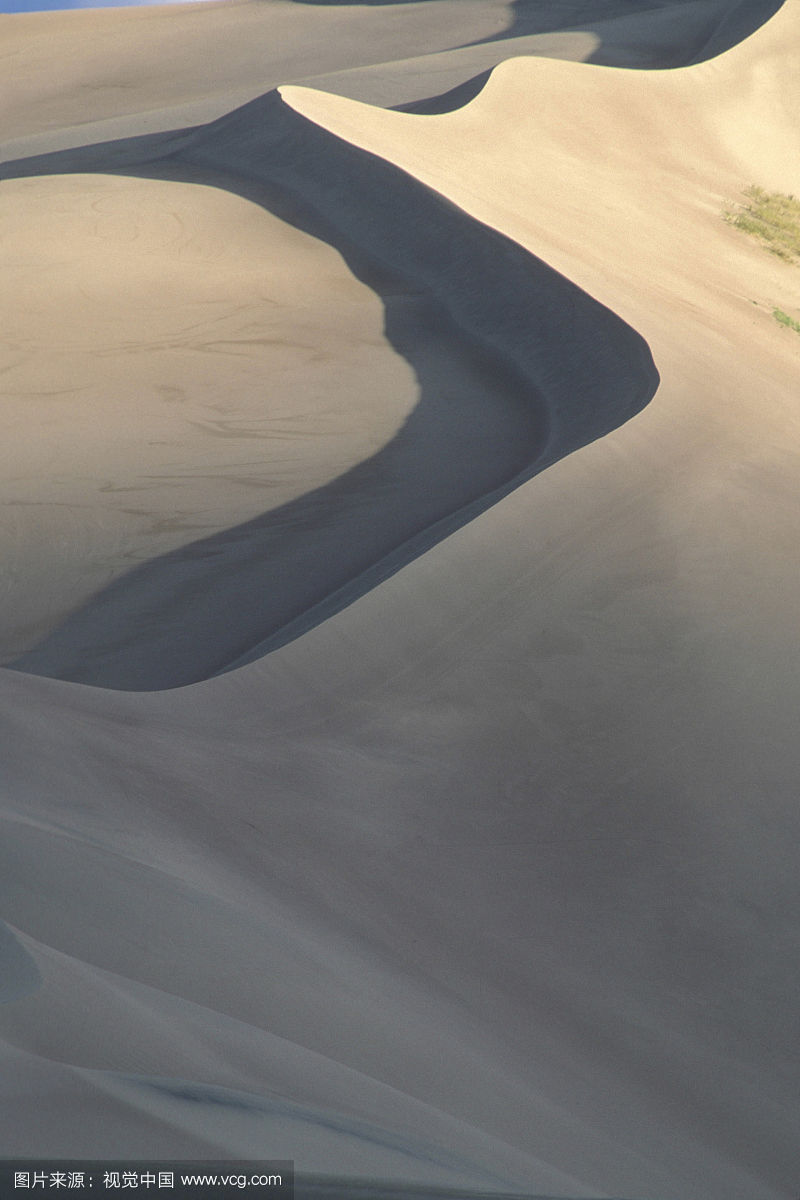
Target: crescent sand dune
[(486, 880), (513, 367)]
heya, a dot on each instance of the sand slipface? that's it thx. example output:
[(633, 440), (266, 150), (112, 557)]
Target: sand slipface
[(474, 866), (501, 394)]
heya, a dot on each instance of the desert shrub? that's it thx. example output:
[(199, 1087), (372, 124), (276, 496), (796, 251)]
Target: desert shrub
[(784, 319)]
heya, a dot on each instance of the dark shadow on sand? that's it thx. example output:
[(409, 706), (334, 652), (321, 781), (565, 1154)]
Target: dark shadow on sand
[(714, 28), (548, 370), (724, 26), (732, 22), (729, 24)]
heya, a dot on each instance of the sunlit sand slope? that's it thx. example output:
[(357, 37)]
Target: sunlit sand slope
[(489, 879)]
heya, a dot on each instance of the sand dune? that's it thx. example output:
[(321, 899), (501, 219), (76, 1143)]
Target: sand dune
[(133, 70), (485, 879), (501, 394)]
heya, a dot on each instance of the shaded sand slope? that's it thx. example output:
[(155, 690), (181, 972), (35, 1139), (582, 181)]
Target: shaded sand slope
[(18, 973), (514, 366), (66, 69), (192, 360), (525, 813)]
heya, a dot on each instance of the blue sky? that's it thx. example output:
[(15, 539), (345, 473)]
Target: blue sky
[(13, 6)]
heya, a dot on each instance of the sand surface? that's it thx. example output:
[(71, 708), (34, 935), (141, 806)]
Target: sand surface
[(401, 485)]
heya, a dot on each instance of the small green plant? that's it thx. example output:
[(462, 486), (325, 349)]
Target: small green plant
[(774, 220), (784, 319), (771, 217)]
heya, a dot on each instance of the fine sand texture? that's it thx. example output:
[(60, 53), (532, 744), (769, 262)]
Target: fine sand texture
[(400, 493)]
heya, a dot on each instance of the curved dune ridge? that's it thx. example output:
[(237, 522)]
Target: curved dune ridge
[(144, 629), (473, 871), (514, 368), (18, 973)]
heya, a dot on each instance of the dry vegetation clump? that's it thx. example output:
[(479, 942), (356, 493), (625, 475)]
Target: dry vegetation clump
[(773, 218)]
